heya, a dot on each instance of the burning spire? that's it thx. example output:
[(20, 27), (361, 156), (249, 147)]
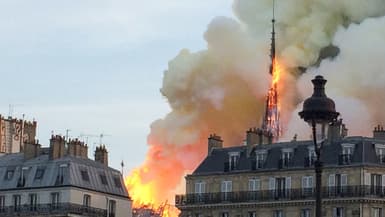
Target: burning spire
[(271, 123)]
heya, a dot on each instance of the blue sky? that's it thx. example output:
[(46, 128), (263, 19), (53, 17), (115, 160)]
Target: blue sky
[(95, 66)]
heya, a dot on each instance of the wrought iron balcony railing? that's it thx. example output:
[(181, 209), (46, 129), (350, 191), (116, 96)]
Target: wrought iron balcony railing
[(279, 195), (51, 209)]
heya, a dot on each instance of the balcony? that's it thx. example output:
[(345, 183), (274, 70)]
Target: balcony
[(345, 159), (51, 210), (279, 195)]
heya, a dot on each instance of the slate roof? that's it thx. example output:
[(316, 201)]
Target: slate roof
[(71, 174), (364, 154)]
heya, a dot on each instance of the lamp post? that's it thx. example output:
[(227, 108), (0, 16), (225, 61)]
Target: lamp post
[(318, 111)]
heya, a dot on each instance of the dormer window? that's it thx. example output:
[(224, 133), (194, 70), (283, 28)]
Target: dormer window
[(286, 157), (9, 174), (21, 181), (347, 153), (233, 160), (260, 156), (380, 152), (61, 173), (311, 156)]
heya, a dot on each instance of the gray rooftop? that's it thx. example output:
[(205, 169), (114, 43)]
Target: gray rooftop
[(41, 172), (364, 154)]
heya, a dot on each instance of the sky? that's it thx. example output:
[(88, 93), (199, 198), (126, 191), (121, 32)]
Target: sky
[(95, 67)]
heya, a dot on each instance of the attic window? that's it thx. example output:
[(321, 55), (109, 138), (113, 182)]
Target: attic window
[(233, 160), (380, 152), (347, 153), (103, 179), (117, 182), (84, 175), (39, 173), (260, 157), (9, 174)]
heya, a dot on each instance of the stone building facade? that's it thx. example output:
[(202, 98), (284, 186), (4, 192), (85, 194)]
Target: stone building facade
[(278, 180), (60, 180)]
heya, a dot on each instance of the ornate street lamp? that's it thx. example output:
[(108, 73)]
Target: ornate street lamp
[(319, 111)]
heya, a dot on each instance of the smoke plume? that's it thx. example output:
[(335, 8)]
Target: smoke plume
[(222, 89)]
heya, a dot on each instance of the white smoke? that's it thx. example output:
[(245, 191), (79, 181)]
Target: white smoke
[(222, 89)]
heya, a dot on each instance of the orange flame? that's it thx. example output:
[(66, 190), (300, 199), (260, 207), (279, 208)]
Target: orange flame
[(277, 70), (143, 194)]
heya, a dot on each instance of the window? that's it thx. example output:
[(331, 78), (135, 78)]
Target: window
[(280, 187), (307, 185), (111, 208), (233, 160), (39, 173), (347, 153), (305, 213), (103, 179), (278, 213), (61, 174), (9, 174), (21, 181), (286, 157), (376, 181), (337, 183), (200, 187), (252, 214), (84, 175), (33, 202), (55, 199), (376, 212), (16, 202), (226, 188), (225, 214), (117, 182), (86, 200), (2, 204), (380, 151), (338, 212), (310, 159), (254, 184), (260, 158)]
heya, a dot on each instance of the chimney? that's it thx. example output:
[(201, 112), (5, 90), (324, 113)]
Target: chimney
[(214, 141), (101, 155), (84, 151), (379, 132), (252, 139), (56, 147), (336, 131), (264, 137), (77, 148), (31, 150)]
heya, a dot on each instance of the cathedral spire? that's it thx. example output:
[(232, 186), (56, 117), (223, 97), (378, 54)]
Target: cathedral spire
[(271, 124), (272, 48)]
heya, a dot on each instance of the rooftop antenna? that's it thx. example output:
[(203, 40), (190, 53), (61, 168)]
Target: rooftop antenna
[(122, 165), (11, 109), (101, 136)]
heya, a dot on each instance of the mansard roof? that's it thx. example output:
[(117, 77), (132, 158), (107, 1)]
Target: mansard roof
[(41, 172), (364, 154)]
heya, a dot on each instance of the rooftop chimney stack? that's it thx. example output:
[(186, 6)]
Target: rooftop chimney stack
[(31, 150), (379, 132), (56, 147), (77, 148), (101, 155), (214, 141), (337, 130), (252, 139)]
